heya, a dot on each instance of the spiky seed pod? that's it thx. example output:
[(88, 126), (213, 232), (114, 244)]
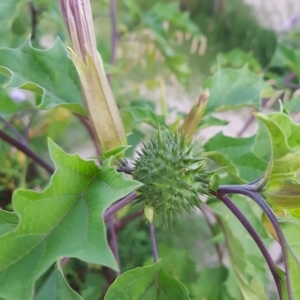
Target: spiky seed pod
[(172, 169)]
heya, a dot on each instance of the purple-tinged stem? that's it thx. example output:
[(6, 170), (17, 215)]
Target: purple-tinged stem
[(89, 129), (114, 241), (251, 230), (250, 192), (26, 150), (153, 242), (115, 207), (250, 120), (122, 222), (13, 130), (288, 81)]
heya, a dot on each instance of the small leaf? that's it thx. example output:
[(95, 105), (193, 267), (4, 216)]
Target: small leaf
[(284, 195), (149, 282), (286, 57), (237, 59), (49, 73), (56, 288), (139, 114), (234, 88), (285, 145), (235, 155)]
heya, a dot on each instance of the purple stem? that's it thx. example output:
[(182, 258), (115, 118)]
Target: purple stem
[(153, 242), (114, 241), (114, 208), (26, 150), (288, 81), (121, 223), (87, 126), (250, 192), (251, 119), (248, 226), (14, 131)]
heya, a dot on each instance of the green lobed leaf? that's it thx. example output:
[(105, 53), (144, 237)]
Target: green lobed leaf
[(146, 283), (231, 88), (56, 288), (283, 188), (49, 73), (235, 155), (63, 220), (8, 221), (237, 58)]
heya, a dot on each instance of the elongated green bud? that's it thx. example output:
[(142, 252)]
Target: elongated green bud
[(100, 103)]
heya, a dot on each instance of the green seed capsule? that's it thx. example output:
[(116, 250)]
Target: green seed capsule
[(173, 171)]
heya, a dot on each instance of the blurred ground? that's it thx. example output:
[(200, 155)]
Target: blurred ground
[(275, 14)]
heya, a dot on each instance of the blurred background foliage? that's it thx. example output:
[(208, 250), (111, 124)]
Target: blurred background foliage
[(165, 52)]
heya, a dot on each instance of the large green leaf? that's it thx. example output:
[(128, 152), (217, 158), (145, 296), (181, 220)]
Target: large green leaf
[(49, 73), (56, 288), (231, 88), (235, 155), (63, 220), (147, 283)]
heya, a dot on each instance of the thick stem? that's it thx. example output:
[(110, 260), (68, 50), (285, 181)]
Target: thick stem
[(123, 202), (153, 242), (26, 150), (114, 241), (250, 192), (251, 230)]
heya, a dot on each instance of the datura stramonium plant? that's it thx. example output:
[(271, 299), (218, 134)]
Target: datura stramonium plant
[(171, 166), (101, 107)]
